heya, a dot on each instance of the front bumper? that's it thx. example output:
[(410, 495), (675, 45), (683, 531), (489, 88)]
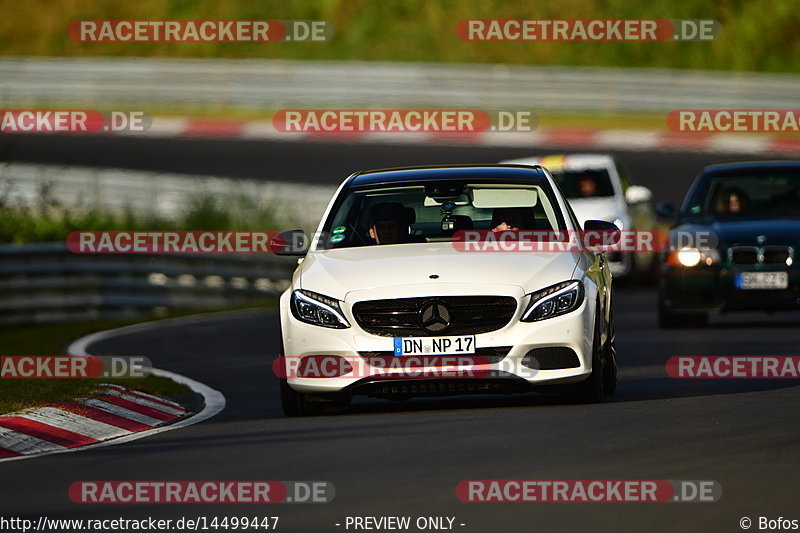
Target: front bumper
[(703, 289), (572, 332)]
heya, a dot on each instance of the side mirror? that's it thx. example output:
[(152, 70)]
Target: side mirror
[(666, 210), (636, 194), (603, 228), (289, 243)]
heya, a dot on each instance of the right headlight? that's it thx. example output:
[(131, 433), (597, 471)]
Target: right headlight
[(313, 308), (554, 300)]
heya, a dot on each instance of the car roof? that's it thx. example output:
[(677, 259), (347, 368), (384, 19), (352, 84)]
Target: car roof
[(568, 161), (749, 166), (486, 174)]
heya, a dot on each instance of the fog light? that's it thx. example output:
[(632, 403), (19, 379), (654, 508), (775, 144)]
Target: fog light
[(323, 366)]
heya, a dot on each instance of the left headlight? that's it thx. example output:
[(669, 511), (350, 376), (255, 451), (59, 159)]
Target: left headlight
[(555, 300), (691, 257), (313, 308)]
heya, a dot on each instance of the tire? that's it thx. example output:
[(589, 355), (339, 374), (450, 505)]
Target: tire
[(298, 404), (610, 359), (590, 390)]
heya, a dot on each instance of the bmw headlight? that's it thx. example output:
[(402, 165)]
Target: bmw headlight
[(691, 257), (555, 300), (313, 308)]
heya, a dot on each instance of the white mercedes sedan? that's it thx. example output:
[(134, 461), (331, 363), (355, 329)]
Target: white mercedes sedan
[(421, 282)]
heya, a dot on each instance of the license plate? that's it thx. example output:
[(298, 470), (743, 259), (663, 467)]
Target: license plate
[(762, 280), (453, 345)]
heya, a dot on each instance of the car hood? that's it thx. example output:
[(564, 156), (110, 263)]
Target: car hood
[(600, 208), (746, 232), (336, 273)]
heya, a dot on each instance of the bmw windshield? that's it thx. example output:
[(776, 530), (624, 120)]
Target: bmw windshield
[(747, 195)]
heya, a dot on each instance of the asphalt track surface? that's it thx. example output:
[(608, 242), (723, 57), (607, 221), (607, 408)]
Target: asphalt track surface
[(668, 174), (387, 458)]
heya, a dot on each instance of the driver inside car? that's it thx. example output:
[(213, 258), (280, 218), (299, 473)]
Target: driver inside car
[(388, 223)]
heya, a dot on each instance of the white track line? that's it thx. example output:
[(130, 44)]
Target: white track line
[(213, 399)]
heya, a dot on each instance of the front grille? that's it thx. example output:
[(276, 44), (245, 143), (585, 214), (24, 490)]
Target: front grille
[(776, 255), (402, 317), (441, 387), (743, 255), (491, 355), (753, 255), (551, 358)]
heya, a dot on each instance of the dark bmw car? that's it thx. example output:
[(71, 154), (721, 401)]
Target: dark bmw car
[(734, 245)]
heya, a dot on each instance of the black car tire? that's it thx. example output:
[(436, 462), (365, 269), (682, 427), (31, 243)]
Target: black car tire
[(590, 390), (610, 359), (298, 404)]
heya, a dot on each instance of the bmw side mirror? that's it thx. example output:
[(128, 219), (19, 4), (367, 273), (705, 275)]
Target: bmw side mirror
[(666, 210), (290, 243)]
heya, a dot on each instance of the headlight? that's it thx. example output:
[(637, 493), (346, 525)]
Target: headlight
[(313, 308), (553, 301), (691, 257)]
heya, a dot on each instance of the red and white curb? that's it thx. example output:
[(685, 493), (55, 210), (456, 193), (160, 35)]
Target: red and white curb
[(584, 138), (109, 413), (112, 415)]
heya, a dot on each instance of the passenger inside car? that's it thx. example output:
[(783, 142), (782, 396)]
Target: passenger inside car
[(513, 218)]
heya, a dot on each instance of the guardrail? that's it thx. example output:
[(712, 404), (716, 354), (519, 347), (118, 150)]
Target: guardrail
[(272, 84), (46, 283), (160, 193)]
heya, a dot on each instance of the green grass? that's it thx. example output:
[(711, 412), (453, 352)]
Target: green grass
[(47, 221), (757, 35), (52, 339), (22, 393)]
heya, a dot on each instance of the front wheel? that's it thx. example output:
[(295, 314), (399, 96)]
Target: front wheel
[(590, 390), (296, 403), (610, 359)]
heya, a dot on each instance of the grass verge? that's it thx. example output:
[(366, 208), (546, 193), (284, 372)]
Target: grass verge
[(756, 35), (53, 339)]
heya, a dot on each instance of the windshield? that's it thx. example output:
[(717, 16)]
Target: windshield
[(583, 183), (757, 194), (419, 213)]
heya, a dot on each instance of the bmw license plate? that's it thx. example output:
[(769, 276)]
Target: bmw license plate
[(453, 345), (762, 280)]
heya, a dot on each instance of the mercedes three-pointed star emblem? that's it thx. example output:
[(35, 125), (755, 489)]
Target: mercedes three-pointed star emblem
[(434, 317)]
